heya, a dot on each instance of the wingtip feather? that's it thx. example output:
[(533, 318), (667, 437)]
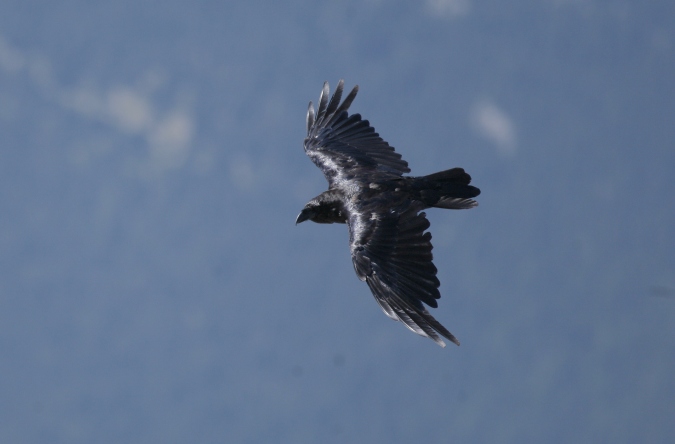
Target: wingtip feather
[(323, 100), (335, 99), (310, 117)]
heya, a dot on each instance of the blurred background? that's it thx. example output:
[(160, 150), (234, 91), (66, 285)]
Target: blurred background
[(154, 287)]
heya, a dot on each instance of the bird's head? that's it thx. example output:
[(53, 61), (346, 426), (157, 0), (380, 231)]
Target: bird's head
[(322, 211)]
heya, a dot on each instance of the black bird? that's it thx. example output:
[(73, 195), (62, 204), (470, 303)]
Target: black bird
[(381, 207)]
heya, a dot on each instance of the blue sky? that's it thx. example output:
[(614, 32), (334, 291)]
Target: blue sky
[(154, 287)]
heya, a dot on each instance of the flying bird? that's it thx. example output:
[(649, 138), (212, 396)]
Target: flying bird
[(390, 247)]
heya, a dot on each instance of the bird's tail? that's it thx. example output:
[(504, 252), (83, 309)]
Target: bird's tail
[(449, 189)]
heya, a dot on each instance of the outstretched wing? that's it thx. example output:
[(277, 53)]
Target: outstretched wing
[(392, 253), (342, 145)]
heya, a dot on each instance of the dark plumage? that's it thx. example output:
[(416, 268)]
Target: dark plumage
[(367, 190)]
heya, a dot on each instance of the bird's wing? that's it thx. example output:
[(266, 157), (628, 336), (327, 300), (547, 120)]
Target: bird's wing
[(342, 145), (392, 253)]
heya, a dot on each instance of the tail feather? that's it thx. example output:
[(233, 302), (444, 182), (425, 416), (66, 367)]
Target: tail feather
[(453, 203), (455, 175), (449, 189)]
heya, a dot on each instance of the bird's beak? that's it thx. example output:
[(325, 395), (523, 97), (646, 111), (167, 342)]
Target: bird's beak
[(303, 216)]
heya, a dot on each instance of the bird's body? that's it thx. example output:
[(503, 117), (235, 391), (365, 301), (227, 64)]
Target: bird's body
[(367, 191)]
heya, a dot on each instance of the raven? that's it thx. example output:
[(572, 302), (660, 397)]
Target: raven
[(390, 249)]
